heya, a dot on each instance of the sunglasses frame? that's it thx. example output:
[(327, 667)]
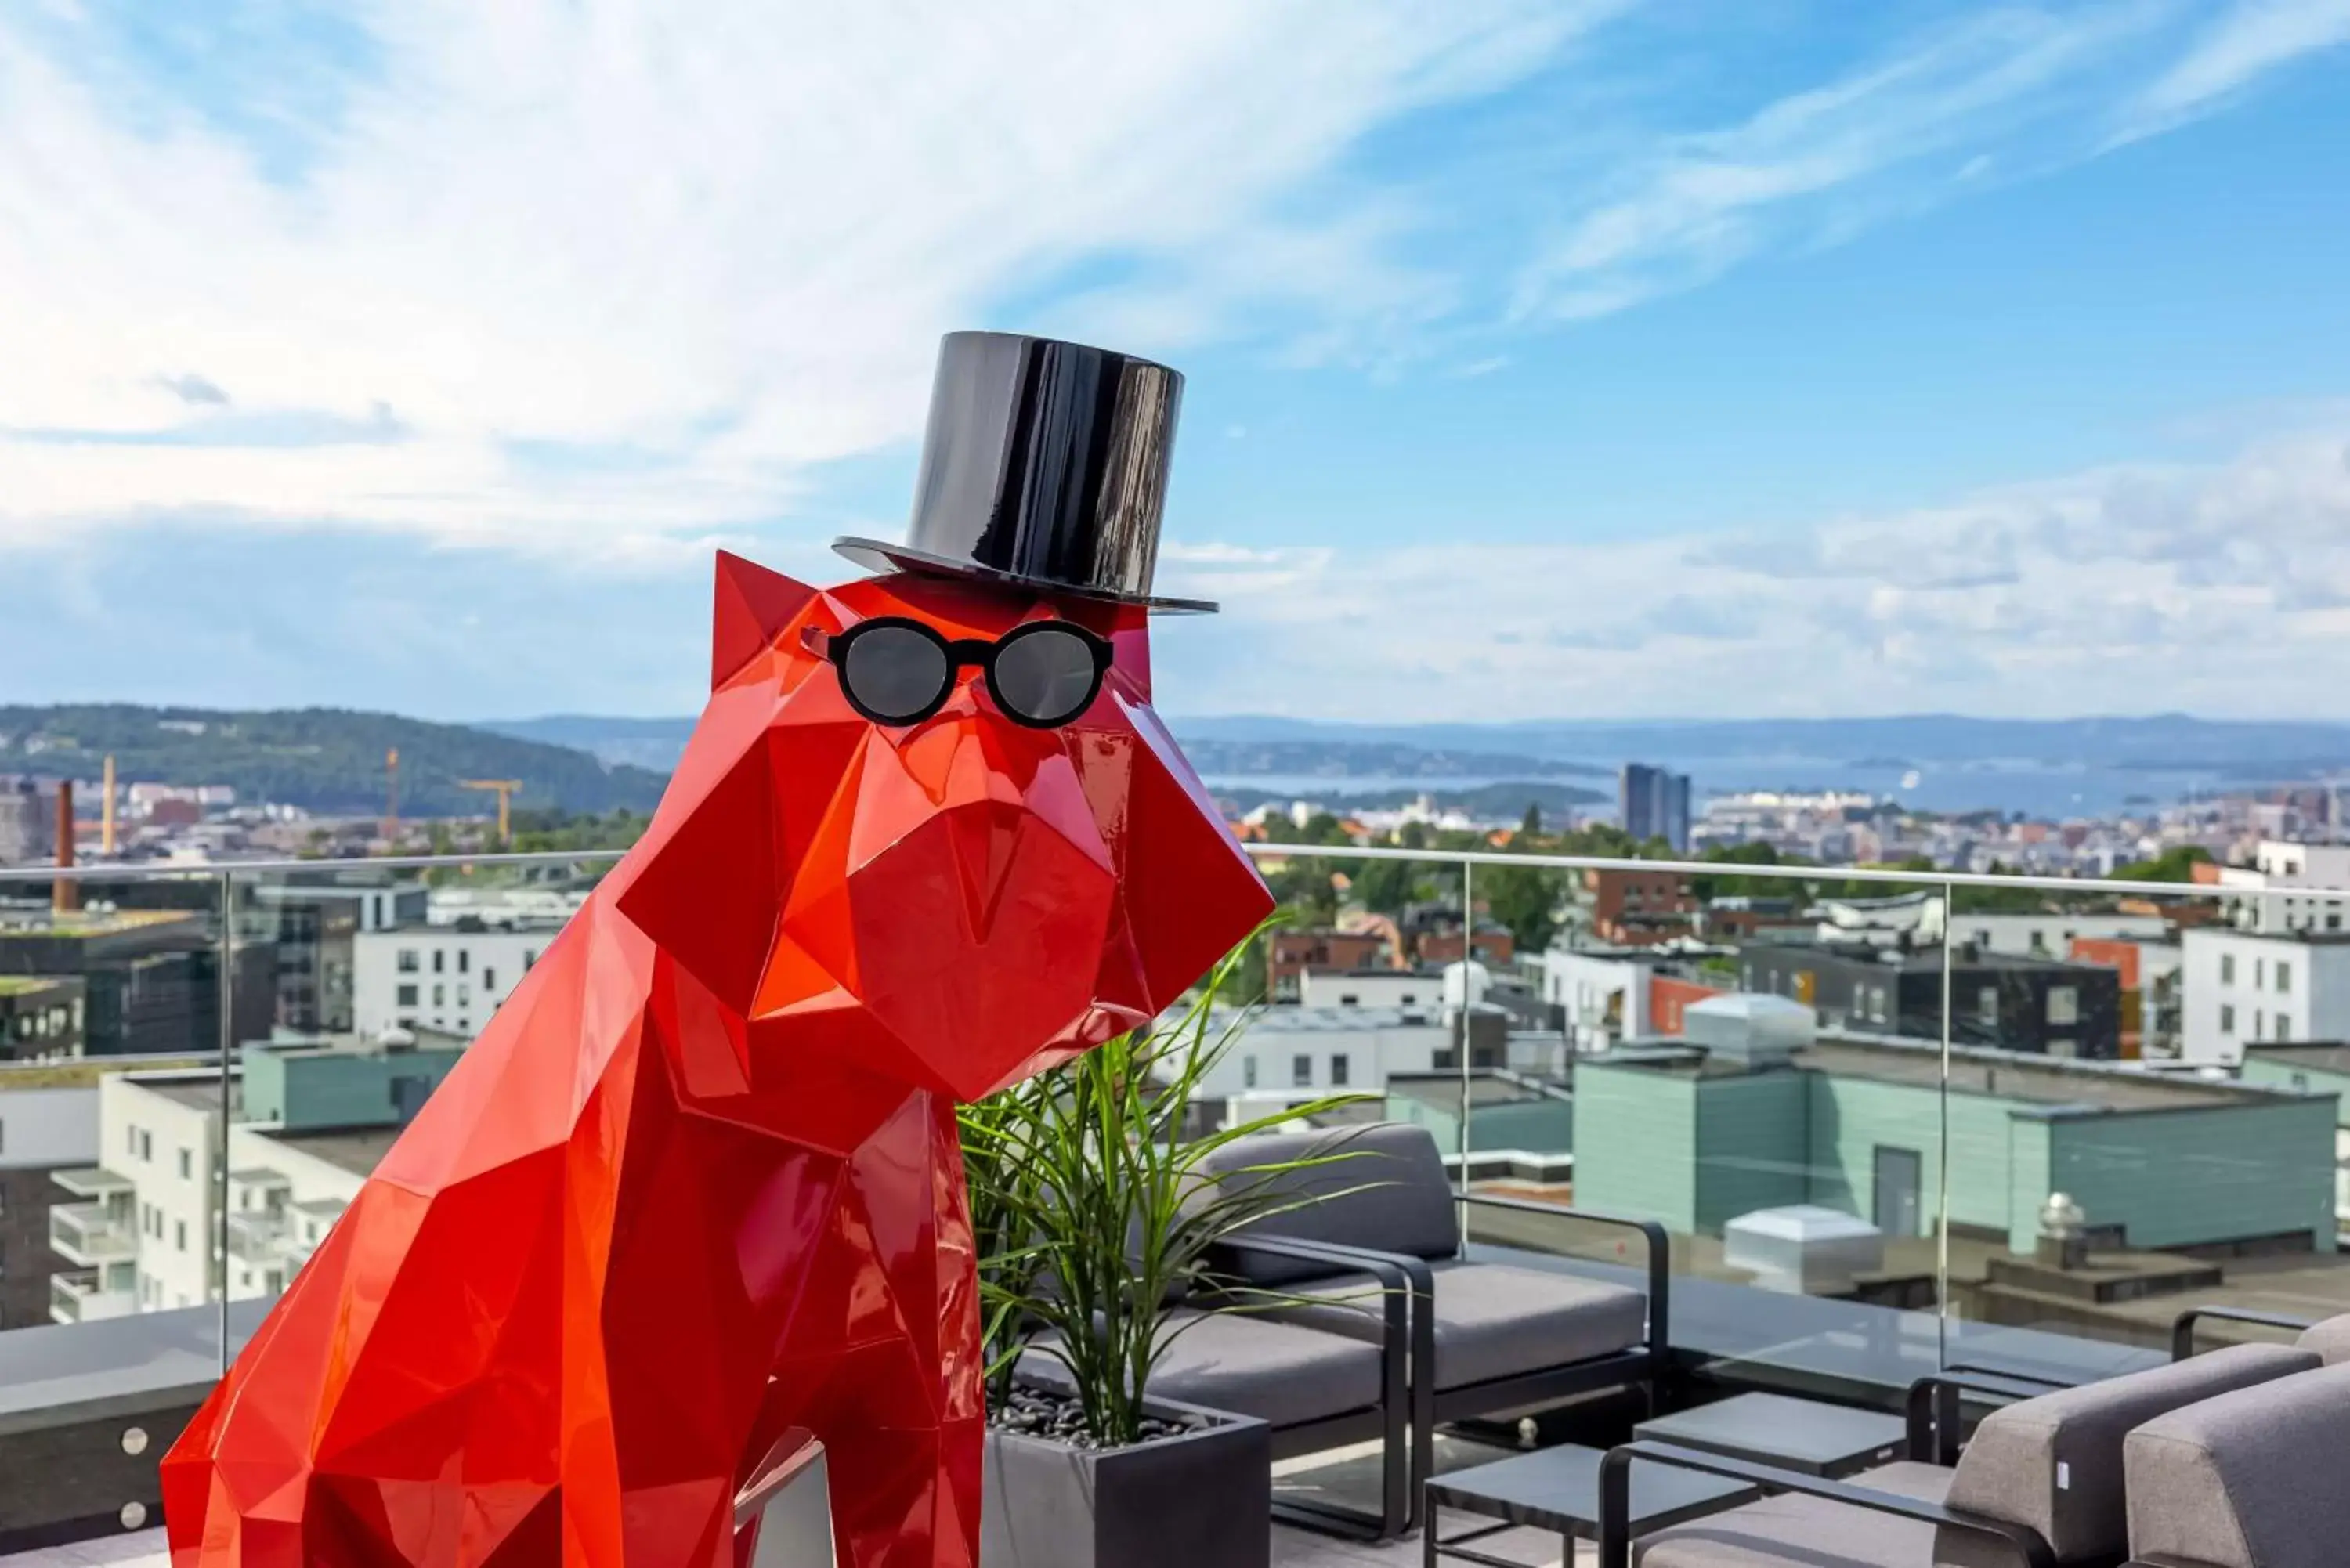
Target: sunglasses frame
[(961, 653)]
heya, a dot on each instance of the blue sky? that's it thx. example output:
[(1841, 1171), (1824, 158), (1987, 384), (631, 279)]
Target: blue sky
[(1579, 359)]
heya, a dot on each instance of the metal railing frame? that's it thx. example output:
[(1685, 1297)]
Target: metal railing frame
[(225, 874)]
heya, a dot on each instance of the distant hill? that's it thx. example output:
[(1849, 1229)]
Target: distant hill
[(326, 760), (654, 743)]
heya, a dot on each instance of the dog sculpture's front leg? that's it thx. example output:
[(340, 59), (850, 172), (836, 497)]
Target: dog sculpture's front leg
[(882, 1359)]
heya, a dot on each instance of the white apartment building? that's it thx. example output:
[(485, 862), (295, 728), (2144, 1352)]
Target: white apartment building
[(1392, 990), (2050, 935), (1304, 1053), (1605, 996), (2301, 888), (440, 977), (2240, 985), (158, 1136)]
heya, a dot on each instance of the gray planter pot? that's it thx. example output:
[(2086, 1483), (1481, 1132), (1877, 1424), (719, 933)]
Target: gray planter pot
[(1202, 1499)]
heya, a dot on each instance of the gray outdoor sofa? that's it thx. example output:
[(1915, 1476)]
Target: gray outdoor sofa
[(2256, 1479), (1487, 1340), (2041, 1484)]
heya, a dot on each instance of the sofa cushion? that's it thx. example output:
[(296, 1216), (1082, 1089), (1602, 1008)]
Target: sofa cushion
[(2252, 1479), (1791, 1530), (1492, 1320), (1249, 1365), (2055, 1462), (2330, 1338), (1383, 1189)]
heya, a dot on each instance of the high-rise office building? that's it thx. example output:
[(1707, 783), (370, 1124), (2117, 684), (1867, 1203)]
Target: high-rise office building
[(1655, 805)]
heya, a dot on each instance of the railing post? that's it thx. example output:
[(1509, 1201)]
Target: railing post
[(1942, 1162), (226, 999), (1468, 955)]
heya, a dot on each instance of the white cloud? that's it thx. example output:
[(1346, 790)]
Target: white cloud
[(720, 241), (2254, 37), (1999, 95), (2221, 589)]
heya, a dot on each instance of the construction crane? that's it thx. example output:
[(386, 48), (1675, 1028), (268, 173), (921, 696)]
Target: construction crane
[(505, 789)]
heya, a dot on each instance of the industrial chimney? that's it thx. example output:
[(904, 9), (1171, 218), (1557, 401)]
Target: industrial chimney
[(66, 895)]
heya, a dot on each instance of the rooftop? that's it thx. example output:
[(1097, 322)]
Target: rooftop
[(23, 984), (1442, 1091), (34, 921), (80, 1072), (356, 1150), (199, 1089), (2321, 1055), (2051, 1081), (1288, 1020)]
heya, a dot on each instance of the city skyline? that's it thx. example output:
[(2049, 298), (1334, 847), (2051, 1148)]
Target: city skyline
[(1546, 360)]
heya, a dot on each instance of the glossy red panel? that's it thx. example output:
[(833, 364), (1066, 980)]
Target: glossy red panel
[(697, 1187)]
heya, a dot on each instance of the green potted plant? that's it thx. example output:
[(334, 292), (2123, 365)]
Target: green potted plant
[(1091, 1215)]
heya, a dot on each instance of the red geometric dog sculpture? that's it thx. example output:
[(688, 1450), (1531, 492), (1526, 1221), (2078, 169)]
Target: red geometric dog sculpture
[(697, 1186)]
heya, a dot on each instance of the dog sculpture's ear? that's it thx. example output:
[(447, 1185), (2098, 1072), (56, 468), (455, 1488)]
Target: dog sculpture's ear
[(752, 604)]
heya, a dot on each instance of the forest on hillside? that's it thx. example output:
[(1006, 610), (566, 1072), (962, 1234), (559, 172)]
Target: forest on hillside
[(326, 760)]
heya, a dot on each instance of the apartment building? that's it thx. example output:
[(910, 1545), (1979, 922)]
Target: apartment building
[(440, 977), (2285, 888), (49, 1122), (304, 1121), (2238, 986)]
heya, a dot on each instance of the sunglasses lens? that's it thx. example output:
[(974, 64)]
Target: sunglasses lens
[(1045, 676), (895, 673)]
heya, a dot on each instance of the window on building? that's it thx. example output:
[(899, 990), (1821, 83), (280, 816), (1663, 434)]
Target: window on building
[(1301, 1071), (187, 1164), (2064, 1048), (273, 1280), (130, 1142), (2260, 972), (2285, 978), (530, 957), (2227, 1019), (465, 993), (2284, 1027), (407, 961), (1338, 1070), (1348, 999), (489, 979), (1248, 1072), (146, 1146), (405, 996), (464, 960), (440, 960), (2063, 1004), (1410, 998), (1987, 1004), (2259, 1022), (2227, 969), (439, 994), (180, 1234)]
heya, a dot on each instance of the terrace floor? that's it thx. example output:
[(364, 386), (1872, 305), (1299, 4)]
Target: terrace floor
[(1291, 1549)]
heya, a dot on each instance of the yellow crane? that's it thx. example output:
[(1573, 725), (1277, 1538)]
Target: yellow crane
[(505, 789)]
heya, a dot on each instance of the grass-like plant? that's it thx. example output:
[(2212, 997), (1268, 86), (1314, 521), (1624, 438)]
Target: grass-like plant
[(1092, 1211)]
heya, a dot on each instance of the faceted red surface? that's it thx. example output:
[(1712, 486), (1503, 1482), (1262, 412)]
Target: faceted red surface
[(696, 1190)]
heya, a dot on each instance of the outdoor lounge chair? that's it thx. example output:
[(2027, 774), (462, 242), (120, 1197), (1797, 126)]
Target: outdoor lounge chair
[(2040, 1485), (2254, 1478), (1490, 1339), (2330, 1337)]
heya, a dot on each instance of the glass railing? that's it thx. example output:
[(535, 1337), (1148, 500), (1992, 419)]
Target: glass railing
[(1889, 1121)]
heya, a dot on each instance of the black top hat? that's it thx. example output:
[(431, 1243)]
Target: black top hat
[(1045, 465)]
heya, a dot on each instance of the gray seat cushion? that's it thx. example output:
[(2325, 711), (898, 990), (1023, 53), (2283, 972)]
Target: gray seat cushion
[(2054, 1463), (1791, 1531), (2256, 1479), (1247, 1364), (2330, 1339), (1383, 1188), (1492, 1320)]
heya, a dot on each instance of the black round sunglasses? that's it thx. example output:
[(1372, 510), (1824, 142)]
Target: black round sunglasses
[(894, 671)]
